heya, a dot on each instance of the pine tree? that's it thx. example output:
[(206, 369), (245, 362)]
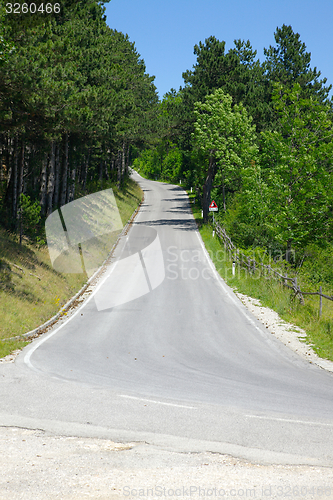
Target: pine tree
[(289, 63)]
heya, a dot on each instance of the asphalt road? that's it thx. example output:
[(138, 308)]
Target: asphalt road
[(163, 352)]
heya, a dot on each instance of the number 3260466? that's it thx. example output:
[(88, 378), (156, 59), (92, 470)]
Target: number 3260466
[(24, 8)]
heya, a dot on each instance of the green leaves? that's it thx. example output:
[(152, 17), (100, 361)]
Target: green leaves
[(6, 46), (75, 94), (224, 133), (297, 165), (73, 73), (288, 63)]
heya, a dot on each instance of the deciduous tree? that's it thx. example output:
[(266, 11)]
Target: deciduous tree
[(297, 166), (225, 134)]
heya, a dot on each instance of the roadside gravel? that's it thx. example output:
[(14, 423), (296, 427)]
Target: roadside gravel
[(292, 336), (38, 466)]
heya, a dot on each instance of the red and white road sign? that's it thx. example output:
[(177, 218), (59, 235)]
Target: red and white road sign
[(213, 207)]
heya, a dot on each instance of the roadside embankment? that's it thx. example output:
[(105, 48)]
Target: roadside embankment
[(31, 291)]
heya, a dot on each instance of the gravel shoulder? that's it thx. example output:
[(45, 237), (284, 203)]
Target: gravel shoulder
[(292, 336), (38, 466)]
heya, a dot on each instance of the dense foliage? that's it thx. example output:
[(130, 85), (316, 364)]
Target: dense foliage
[(74, 99), (256, 138), (225, 136), (76, 105)]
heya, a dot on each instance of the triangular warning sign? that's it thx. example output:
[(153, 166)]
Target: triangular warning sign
[(213, 205)]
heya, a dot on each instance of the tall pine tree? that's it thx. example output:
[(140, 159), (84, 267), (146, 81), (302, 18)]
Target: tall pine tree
[(289, 63)]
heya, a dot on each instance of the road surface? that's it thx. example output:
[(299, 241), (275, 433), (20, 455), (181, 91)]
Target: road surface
[(163, 352)]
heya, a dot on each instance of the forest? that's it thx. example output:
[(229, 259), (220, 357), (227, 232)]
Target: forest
[(77, 108), (258, 139), (75, 100)]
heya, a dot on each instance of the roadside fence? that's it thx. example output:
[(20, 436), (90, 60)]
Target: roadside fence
[(242, 260)]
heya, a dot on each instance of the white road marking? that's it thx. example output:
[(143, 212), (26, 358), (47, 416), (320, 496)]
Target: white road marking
[(223, 285), (290, 420), (156, 402), (35, 346)]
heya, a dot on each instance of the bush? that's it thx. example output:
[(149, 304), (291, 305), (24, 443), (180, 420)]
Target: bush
[(29, 216), (148, 163), (318, 264), (172, 165)]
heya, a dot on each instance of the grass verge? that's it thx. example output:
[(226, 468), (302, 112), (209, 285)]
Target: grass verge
[(31, 291), (273, 294)]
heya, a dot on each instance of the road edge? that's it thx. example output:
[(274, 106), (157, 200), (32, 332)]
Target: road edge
[(73, 302)]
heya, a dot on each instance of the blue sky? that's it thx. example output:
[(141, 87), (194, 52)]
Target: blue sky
[(165, 32)]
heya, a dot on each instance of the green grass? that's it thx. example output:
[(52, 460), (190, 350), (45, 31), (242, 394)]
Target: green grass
[(31, 291), (274, 295)]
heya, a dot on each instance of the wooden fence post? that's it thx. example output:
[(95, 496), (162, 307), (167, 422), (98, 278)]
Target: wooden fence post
[(301, 298), (294, 282), (251, 265), (298, 291)]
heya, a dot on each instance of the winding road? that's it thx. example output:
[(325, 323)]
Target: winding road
[(163, 352)]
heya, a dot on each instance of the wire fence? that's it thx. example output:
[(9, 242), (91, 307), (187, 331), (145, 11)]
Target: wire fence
[(244, 261)]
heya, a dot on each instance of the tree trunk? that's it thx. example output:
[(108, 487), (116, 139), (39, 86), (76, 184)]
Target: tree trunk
[(127, 156), (20, 190), (207, 187), (1, 164), (106, 170), (43, 184), (15, 175), (57, 177), (50, 184), (35, 172), (21, 176), (64, 174), (119, 168), (9, 167), (112, 167), (289, 250), (85, 171), (101, 171), (123, 162), (71, 187)]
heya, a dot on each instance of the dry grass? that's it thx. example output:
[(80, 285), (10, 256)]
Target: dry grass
[(31, 291)]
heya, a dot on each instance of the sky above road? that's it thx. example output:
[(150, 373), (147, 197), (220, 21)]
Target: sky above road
[(165, 31)]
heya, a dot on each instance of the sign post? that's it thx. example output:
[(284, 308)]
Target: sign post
[(213, 208)]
